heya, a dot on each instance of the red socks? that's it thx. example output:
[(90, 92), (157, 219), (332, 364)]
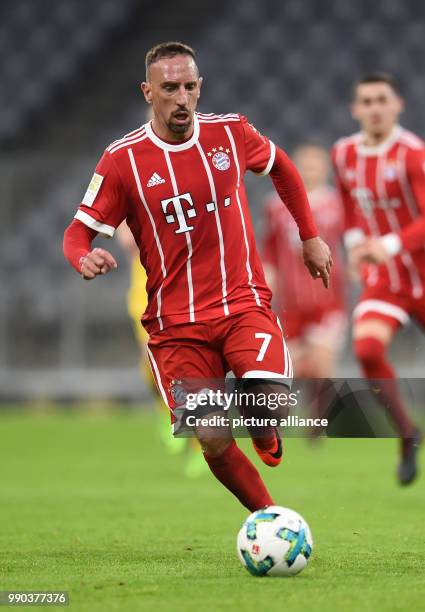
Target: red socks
[(370, 352), (236, 472)]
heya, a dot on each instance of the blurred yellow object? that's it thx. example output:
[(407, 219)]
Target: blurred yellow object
[(137, 299)]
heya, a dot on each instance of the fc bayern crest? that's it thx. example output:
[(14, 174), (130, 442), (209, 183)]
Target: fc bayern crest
[(178, 392), (390, 172), (221, 161)]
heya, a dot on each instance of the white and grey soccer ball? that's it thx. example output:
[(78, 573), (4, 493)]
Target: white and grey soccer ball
[(274, 541)]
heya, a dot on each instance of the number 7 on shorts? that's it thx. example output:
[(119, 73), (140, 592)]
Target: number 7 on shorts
[(266, 341)]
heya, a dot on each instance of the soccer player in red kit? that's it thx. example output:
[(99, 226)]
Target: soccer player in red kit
[(380, 173), (315, 317), (178, 181)]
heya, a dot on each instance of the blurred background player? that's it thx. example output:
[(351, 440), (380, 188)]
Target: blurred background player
[(380, 173), (137, 300), (314, 317)]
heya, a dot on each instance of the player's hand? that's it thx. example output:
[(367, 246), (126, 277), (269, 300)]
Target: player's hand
[(372, 251), (318, 259), (97, 262)]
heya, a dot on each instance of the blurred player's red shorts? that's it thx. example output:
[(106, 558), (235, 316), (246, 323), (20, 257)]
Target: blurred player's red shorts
[(394, 308), (318, 326), (250, 344)]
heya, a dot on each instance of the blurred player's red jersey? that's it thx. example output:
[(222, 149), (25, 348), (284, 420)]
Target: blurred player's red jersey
[(187, 208), (296, 292), (383, 192)]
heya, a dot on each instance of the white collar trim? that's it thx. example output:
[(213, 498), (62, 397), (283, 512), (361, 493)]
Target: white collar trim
[(383, 147), (166, 146)]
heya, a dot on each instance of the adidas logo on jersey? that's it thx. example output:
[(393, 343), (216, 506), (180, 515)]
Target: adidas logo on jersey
[(155, 179)]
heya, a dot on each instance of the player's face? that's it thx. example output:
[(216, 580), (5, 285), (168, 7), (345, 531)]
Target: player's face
[(376, 107), (313, 165), (173, 90)]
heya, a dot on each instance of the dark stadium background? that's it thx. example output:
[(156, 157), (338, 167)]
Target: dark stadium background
[(70, 74)]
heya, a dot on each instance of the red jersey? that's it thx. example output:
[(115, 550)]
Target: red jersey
[(295, 289), (187, 209), (383, 191)]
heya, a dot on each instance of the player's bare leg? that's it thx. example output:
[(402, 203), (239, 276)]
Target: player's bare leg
[(315, 364), (232, 467), (371, 338), (313, 360)]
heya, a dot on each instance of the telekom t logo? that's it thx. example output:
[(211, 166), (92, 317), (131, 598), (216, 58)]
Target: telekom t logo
[(179, 213)]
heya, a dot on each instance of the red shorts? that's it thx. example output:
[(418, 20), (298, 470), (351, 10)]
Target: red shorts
[(394, 308), (249, 343), (321, 326)]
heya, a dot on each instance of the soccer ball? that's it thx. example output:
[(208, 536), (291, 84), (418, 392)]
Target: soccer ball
[(274, 541)]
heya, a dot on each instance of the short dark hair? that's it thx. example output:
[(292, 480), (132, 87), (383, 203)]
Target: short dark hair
[(167, 49), (378, 77)]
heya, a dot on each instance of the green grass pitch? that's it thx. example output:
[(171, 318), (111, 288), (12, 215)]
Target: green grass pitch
[(92, 504)]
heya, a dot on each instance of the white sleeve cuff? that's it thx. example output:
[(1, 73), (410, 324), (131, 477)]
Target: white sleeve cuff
[(353, 237), (392, 244), (102, 228)]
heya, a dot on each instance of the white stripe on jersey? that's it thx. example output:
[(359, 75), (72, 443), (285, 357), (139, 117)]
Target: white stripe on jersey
[(102, 228), (417, 288), (188, 241), (155, 233), (219, 230), (270, 162), (404, 183), (289, 370), (410, 139), (132, 134), (157, 376), (340, 160), (129, 142), (218, 120), (395, 283), (393, 274), (394, 224), (207, 116), (341, 150), (382, 307), (248, 265), (346, 141), (264, 374), (360, 184)]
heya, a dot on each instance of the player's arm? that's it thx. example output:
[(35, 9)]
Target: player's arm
[(78, 251), (289, 186), (412, 237), (353, 235), (269, 246), (102, 209), (263, 157)]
